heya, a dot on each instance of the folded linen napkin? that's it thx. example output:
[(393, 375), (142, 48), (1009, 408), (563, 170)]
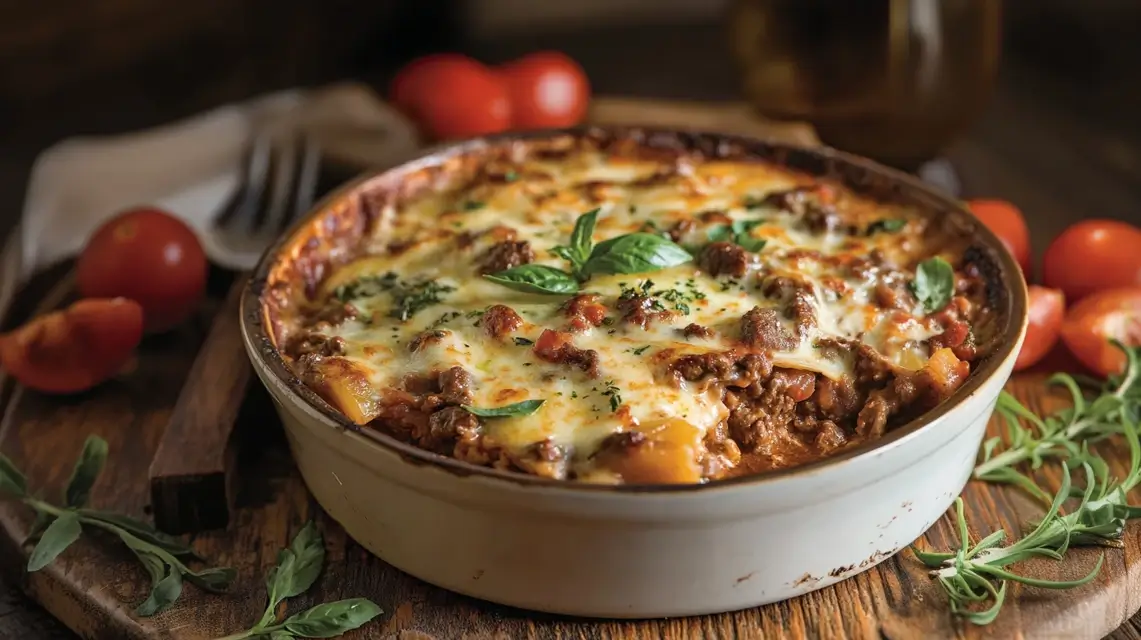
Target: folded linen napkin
[(188, 168)]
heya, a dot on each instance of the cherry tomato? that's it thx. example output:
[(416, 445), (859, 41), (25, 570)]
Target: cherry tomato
[(1093, 255), (1113, 313), (73, 349), (1006, 221), (547, 90), (148, 256), (451, 96), (415, 80), (1047, 306)]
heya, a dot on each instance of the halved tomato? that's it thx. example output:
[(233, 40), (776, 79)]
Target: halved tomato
[(73, 349), (1089, 325), (1047, 306)]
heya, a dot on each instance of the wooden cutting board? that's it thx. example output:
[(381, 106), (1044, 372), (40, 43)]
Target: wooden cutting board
[(94, 586)]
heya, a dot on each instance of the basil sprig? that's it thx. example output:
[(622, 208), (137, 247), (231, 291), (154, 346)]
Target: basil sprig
[(934, 283), (626, 254), (298, 566), (56, 528), (524, 408), (886, 225), (738, 234)]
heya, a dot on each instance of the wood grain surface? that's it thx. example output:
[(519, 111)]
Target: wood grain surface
[(94, 586)]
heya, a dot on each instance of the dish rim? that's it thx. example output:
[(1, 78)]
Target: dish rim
[(253, 310)]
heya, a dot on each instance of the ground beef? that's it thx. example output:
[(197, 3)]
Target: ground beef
[(445, 427), (799, 297), (894, 294), (320, 344), (642, 310), (681, 229), (505, 255), (712, 216), (758, 418), (500, 320), (727, 367), (721, 453), (544, 458), (762, 329), (584, 311), (725, 258), (455, 385), (556, 347), (694, 330)]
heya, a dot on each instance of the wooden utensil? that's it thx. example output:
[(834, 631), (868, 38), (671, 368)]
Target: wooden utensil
[(192, 474)]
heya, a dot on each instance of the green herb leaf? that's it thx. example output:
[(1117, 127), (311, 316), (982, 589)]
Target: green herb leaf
[(86, 471), (934, 284), (297, 566), (163, 593), (536, 278), (524, 408), (214, 580), (59, 535), (474, 205), (720, 233), (141, 530), (523, 342), (43, 519), (886, 225), (581, 237), (281, 634), (332, 619), (749, 243), (11, 480), (634, 253)]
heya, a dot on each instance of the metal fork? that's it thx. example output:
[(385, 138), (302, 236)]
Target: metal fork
[(276, 186)]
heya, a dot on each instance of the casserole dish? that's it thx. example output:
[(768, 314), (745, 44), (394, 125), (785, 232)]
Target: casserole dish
[(622, 550)]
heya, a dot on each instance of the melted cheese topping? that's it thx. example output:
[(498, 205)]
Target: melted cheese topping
[(441, 238)]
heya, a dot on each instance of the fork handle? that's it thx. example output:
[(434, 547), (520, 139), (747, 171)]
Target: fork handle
[(192, 474)]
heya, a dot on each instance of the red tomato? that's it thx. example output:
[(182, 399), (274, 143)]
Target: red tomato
[(452, 96), (547, 90), (1113, 313), (1006, 221), (1093, 255), (73, 349), (1047, 306), (416, 79), (150, 257)]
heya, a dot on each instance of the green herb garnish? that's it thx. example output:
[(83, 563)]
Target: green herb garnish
[(56, 527), (640, 350), (634, 253), (536, 278), (523, 342), (578, 251), (409, 297), (887, 225), (524, 408), (739, 233), (614, 393), (474, 205), (934, 283), (298, 566)]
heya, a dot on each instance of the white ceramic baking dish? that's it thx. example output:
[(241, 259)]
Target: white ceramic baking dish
[(634, 551)]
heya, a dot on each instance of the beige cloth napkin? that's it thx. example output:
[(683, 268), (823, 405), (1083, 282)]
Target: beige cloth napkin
[(188, 167)]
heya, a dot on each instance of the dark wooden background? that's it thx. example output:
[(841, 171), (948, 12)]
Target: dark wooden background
[(1061, 138)]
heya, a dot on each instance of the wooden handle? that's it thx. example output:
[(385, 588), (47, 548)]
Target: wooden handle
[(192, 474)]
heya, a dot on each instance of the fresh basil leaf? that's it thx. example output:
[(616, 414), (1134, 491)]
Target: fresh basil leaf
[(141, 530), (163, 593), (524, 408), (745, 226), (332, 619), (214, 580), (297, 566), (720, 233), (536, 278), (11, 480), (887, 225), (281, 634), (634, 253), (86, 472), (59, 535), (43, 519), (934, 283), (581, 237), (749, 243), (155, 566)]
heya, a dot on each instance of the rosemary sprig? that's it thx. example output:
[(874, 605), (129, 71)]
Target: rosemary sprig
[(56, 527), (1061, 434), (298, 566), (975, 574)]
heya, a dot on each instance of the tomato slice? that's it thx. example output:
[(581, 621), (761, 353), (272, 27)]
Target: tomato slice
[(74, 349), (1089, 325), (1047, 307)]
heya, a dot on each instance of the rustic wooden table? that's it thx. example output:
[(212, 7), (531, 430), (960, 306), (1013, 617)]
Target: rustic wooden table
[(1059, 150)]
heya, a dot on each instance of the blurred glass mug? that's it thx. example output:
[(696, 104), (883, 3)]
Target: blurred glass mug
[(893, 80)]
